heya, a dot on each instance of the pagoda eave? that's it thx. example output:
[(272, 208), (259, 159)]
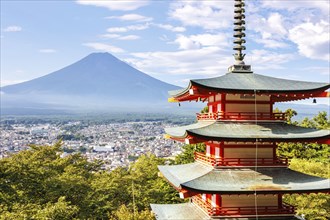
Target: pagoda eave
[(203, 89), (193, 212), (193, 138), (200, 93), (178, 211), (194, 191), (249, 84), (204, 131), (200, 178)]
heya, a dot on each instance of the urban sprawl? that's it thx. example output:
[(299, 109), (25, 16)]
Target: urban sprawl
[(117, 144)]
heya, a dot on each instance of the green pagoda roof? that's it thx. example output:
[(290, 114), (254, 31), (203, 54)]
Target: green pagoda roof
[(199, 178), (250, 82), (190, 211), (248, 131), (178, 211)]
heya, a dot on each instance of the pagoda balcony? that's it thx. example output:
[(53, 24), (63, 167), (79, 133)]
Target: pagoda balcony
[(284, 209), (244, 116), (220, 162)]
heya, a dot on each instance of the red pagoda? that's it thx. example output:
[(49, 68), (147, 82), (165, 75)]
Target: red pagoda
[(240, 175)]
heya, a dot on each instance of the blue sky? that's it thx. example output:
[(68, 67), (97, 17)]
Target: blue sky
[(170, 40)]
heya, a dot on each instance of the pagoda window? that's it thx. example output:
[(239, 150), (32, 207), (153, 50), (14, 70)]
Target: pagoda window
[(211, 99)]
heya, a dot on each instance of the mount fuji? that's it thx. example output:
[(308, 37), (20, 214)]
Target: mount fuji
[(98, 81)]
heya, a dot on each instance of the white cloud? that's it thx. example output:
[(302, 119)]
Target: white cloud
[(119, 37), (131, 17), (129, 37), (202, 40), (120, 5), (266, 60), (208, 61), (275, 22), (117, 29), (104, 47), (10, 82), (13, 29), (269, 43), (284, 23), (205, 14), (170, 27), (272, 30), (322, 5), (312, 39), (138, 27), (47, 51), (186, 43), (296, 12), (110, 36)]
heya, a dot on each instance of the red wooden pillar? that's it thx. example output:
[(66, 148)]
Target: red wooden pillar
[(280, 201), (223, 101), (274, 150)]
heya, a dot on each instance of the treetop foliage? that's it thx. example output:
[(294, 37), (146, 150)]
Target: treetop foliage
[(318, 152), (40, 183)]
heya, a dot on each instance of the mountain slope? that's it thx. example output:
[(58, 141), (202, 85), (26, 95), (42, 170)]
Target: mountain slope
[(98, 80)]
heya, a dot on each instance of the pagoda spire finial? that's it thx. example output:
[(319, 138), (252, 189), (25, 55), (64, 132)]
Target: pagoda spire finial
[(239, 41), (239, 31)]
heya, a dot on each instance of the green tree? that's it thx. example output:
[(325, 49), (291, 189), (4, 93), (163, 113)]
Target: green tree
[(109, 190), (61, 210), (312, 206), (40, 177), (187, 155), (205, 109), (310, 158), (146, 186), (124, 213), (307, 150), (40, 183)]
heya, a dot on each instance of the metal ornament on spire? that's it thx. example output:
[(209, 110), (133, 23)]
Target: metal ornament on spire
[(239, 40), (239, 31)]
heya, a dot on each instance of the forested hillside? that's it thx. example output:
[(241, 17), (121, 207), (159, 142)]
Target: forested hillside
[(41, 184), (313, 159)]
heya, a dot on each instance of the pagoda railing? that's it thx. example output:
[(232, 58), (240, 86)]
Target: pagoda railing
[(238, 211), (242, 116), (211, 160)]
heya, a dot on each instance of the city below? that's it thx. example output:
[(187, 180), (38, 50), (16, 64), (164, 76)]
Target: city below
[(115, 143)]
